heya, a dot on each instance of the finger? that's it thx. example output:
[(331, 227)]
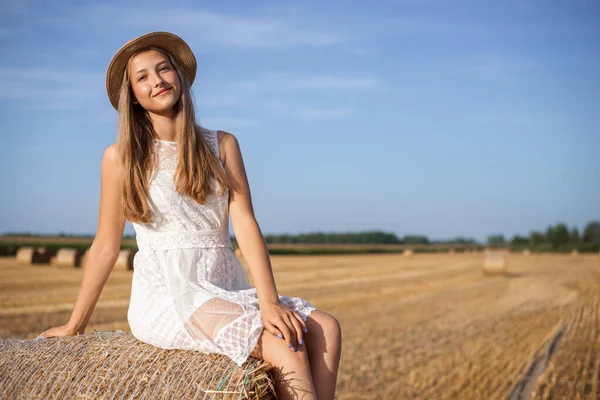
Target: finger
[(287, 333), (42, 335), (298, 328), (273, 330), (302, 322), (293, 336)]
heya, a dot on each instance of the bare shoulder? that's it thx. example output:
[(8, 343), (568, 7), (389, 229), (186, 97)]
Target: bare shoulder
[(110, 159), (228, 143)]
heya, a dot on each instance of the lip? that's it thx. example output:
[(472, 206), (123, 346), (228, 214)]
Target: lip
[(163, 91)]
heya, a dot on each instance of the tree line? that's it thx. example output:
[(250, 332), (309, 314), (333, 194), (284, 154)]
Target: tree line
[(556, 237)]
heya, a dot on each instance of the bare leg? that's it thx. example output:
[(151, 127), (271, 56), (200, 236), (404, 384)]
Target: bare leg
[(291, 369), (324, 345)]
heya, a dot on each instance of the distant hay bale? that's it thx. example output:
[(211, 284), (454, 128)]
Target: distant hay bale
[(84, 257), (125, 260), (574, 253), (113, 364), (67, 258), (526, 252), (408, 253), (30, 255), (238, 254), (494, 263), (25, 255)]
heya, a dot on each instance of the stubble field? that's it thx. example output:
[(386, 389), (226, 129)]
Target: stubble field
[(430, 326)]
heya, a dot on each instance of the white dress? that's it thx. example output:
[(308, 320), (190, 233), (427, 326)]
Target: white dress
[(189, 291)]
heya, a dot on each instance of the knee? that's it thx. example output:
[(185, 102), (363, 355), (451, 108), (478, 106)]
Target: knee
[(330, 327), (332, 330)]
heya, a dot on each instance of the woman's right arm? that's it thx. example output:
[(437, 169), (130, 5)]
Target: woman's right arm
[(105, 248)]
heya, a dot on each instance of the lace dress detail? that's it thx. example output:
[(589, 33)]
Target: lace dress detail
[(189, 290)]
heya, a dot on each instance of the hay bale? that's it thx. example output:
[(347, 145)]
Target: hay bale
[(25, 255), (113, 364), (30, 255), (494, 263), (238, 254), (84, 257), (574, 253), (125, 260), (526, 252), (408, 253), (67, 258)]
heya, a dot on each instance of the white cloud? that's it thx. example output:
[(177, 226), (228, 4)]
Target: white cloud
[(50, 89), (493, 65), (225, 123), (324, 113), (215, 94), (207, 29), (280, 82)]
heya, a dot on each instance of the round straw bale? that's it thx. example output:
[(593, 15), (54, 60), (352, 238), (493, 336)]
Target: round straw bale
[(574, 253), (408, 253), (114, 364), (494, 263), (238, 254), (526, 252), (84, 258), (125, 260), (67, 258), (25, 255)]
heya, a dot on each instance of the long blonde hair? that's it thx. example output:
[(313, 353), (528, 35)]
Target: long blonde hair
[(197, 163)]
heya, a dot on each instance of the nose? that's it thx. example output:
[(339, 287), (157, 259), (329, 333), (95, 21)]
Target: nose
[(158, 80)]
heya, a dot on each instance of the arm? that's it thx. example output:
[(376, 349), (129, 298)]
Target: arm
[(105, 248), (279, 320), (245, 226)]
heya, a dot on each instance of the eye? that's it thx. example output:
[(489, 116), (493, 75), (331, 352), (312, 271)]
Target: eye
[(165, 68), (141, 78)]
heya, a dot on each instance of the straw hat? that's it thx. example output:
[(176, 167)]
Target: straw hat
[(173, 44)]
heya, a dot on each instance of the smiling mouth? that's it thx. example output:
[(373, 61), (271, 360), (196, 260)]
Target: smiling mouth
[(162, 92)]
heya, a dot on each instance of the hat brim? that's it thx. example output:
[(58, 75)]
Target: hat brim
[(171, 43)]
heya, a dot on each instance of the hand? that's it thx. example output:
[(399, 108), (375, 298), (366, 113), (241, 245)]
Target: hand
[(58, 331), (283, 323)]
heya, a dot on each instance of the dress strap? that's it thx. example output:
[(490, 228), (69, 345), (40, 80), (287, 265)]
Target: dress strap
[(212, 139)]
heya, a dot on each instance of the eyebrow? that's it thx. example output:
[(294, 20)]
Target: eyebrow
[(144, 69)]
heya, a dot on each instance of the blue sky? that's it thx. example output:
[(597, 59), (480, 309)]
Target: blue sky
[(442, 118)]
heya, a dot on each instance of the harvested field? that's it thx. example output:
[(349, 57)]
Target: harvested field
[(427, 326)]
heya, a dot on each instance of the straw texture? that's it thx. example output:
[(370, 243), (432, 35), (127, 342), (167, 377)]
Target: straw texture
[(113, 364)]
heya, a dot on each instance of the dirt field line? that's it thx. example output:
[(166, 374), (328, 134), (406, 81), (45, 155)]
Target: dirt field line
[(528, 383)]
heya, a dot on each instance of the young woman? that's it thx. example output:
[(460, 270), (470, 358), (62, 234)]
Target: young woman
[(178, 183)]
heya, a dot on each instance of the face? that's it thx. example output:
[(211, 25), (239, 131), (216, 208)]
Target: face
[(154, 82)]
